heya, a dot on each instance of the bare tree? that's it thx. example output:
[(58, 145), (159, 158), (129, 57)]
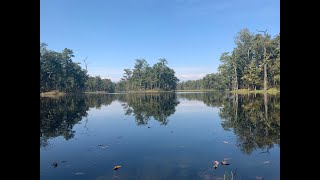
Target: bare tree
[(86, 63)]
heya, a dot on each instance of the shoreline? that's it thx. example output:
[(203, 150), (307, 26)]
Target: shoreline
[(246, 91), (52, 94), (240, 91)]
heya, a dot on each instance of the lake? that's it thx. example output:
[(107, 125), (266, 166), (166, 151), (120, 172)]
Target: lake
[(160, 136)]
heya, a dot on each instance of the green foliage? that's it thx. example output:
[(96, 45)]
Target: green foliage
[(210, 81), (94, 84), (143, 77), (253, 63), (59, 72)]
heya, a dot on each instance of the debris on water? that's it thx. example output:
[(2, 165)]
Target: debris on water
[(216, 163), (226, 142), (117, 167), (78, 173), (259, 177), (266, 162), (103, 145), (55, 164), (224, 162)]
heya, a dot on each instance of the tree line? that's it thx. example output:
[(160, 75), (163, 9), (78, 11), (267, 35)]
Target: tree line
[(144, 77), (59, 72), (253, 64)]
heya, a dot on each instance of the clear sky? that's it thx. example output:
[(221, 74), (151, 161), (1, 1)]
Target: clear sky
[(190, 34)]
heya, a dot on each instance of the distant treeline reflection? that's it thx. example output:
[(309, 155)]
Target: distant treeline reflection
[(144, 106), (255, 119), (59, 115)]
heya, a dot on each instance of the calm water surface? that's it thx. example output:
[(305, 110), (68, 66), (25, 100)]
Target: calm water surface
[(160, 136)]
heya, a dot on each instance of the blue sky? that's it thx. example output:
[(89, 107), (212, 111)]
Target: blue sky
[(190, 34)]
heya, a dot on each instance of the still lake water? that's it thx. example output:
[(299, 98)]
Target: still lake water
[(160, 136)]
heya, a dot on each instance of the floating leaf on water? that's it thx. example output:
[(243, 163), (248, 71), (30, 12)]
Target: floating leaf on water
[(117, 167), (216, 163), (55, 164), (224, 162)]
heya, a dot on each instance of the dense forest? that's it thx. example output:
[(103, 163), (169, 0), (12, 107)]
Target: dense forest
[(59, 73), (143, 77), (253, 64)]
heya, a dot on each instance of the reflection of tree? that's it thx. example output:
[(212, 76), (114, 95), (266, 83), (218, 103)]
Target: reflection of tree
[(255, 120), (143, 106), (59, 115), (213, 99)]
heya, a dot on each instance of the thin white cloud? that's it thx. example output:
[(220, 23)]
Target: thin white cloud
[(192, 73), (114, 74), (194, 76)]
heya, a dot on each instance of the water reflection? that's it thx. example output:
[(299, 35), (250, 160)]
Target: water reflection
[(144, 106), (255, 119), (59, 115), (212, 99)]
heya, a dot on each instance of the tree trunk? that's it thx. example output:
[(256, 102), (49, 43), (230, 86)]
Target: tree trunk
[(266, 105), (265, 68), (265, 77), (235, 101), (236, 77), (266, 113)]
